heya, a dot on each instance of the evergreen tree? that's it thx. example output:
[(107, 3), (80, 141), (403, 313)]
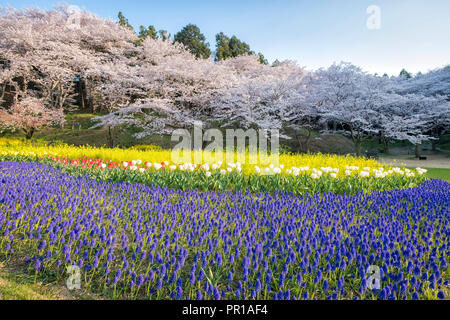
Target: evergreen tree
[(194, 40), (405, 74), (227, 48), (124, 21), (262, 59), (147, 32), (163, 34)]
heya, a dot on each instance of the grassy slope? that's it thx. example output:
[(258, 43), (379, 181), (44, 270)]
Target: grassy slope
[(76, 132)]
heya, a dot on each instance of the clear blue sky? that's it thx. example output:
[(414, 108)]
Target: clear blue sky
[(414, 34)]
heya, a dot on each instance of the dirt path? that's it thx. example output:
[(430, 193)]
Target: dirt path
[(433, 161)]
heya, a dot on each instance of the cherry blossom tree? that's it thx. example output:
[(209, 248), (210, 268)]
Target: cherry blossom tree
[(351, 98), (49, 51), (433, 83), (413, 117), (302, 116), (261, 94), (29, 115)]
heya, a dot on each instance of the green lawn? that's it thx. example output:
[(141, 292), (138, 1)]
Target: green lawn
[(16, 285), (13, 288), (443, 174)]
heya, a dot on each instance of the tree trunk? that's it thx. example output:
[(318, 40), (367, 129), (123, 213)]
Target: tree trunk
[(300, 148), (110, 137), (433, 145), (417, 151), (308, 138), (358, 148), (386, 145), (2, 94), (29, 133), (81, 93)]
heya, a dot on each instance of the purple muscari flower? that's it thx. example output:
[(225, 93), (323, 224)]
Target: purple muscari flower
[(281, 280), (318, 277), (37, 265), (95, 264), (42, 245), (341, 283), (179, 293), (159, 285), (217, 295), (287, 295), (382, 295), (192, 277), (219, 259), (117, 276), (258, 286), (325, 285), (363, 286), (441, 295), (140, 280), (299, 278), (150, 276), (230, 277)]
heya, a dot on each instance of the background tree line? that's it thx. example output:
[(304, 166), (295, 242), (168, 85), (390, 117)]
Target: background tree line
[(156, 84)]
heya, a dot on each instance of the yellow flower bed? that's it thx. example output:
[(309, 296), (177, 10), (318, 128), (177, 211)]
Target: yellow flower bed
[(287, 161)]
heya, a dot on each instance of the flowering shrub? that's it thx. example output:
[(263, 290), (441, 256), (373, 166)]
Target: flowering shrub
[(135, 241)]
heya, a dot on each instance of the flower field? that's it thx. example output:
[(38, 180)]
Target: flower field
[(307, 228), (296, 174), (137, 241)]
